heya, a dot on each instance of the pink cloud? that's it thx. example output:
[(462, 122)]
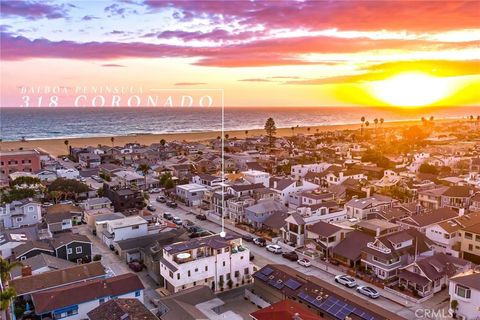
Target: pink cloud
[(345, 15)]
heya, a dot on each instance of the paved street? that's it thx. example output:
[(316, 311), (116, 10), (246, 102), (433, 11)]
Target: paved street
[(263, 257)]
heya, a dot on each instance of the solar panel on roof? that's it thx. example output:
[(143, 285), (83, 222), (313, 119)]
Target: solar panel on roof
[(262, 276), (302, 295), (363, 314), (293, 284), (310, 299), (267, 271)]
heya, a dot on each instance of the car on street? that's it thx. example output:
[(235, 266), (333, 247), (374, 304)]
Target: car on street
[(187, 223), (194, 229), (151, 207), (177, 220), (155, 190), (203, 233), (368, 291), (260, 242), (171, 204), (247, 238), (346, 280), (97, 178), (304, 262), (292, 255), (274, 248), (201, 217), (168, 216), (161, 199), (135, 266)]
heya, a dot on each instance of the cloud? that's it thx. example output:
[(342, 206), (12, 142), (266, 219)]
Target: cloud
[(271, 52), (89, 18), (117, 10), (377, 72), (345, 15), (189, 83), (113, 65), (256, 80), (32, 10)]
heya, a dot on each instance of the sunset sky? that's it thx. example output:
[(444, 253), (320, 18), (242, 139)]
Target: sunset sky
[(275, 53)]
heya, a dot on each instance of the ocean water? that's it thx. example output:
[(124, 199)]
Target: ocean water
[(44, 123)]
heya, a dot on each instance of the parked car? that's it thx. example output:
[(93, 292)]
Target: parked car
[(201, 217), (178, 221), (252, 257), (292, 255), (304, 262), (199, 234), (168, 216), (135, 266), (275, 248), (247, 237), (346, 280), (260, 242), (155, 190), (194, 229), (97, 178), (150, 207), (161, 199), (368, 291), (187, 224), (172, 204)]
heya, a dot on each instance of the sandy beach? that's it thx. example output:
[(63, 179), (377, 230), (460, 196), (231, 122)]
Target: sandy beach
[(57, 147)]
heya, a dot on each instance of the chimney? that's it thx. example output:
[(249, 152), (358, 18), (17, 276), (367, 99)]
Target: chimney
[(296, 316), (26, 271)]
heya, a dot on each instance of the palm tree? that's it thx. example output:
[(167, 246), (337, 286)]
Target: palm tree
[(6, 297), (246, 134), (163, 142), (362, 119), (293, 131), (112, 139), (381, 126), (66, 142), (375, 121), (226, 137), (6, 294), (6, 267), (308, 130), (144, 168)]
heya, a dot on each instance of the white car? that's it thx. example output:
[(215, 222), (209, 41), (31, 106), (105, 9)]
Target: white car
[(368, 291), (155, 190), (346, 280), (304, 262), (275, 248), (178, 221)]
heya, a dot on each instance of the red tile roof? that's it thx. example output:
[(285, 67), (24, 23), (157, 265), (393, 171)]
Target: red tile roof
[(285, 309)]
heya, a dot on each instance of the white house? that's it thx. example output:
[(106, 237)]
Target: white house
[(191, 194), (214, 261), (284, 187), (464, 288), (256, 176), (68, 173), (300, 170), (126, 228), (20, 213), (361, 208)]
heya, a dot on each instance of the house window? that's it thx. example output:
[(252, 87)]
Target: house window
[(19, 219), (462, 291), (206, 268), (101, 300), (23, 258), (224, 263), (178, 276), (135, 227), (78, 250), (189, 273), (237, 274), (171, 274), (137, 293), (470, 247), (246, 271), (477, 238), (194, 283), (69, 251), (468, 235)]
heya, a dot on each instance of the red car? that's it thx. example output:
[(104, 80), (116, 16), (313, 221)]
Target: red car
[(135, 266)]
